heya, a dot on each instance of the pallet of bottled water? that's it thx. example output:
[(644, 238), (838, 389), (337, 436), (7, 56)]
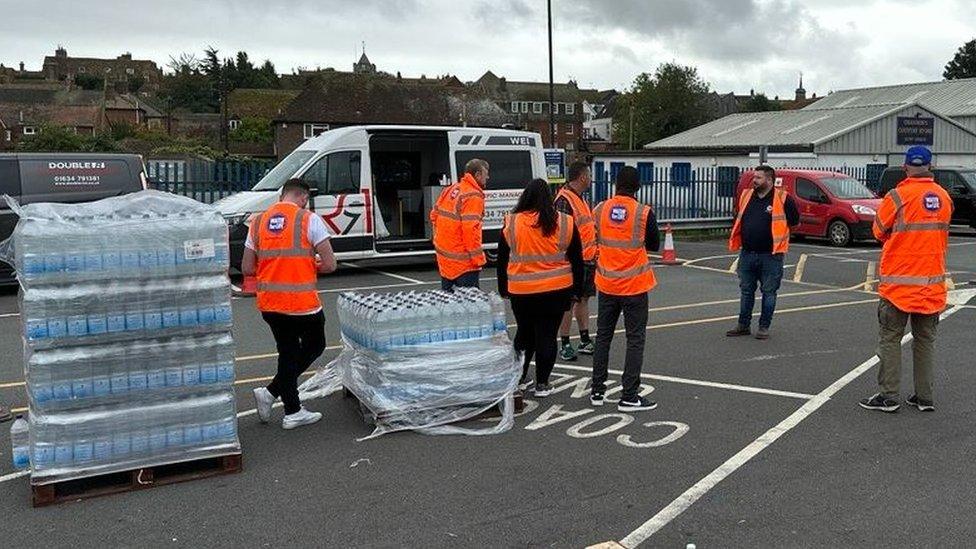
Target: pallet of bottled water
[(126, 323), (424, 360)]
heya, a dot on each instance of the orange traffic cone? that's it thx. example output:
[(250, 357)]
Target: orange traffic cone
[(249, 288), (668, 256)]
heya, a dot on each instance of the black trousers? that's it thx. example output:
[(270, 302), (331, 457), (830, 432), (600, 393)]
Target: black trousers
[(536, 336), (634, 309), (300, 340)]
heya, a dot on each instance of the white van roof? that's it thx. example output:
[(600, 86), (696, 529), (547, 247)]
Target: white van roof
[(358, 135)]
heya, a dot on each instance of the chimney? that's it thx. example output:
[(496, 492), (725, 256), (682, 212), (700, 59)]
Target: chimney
[(502, 84), (61, 52), (21, 66), (127, 56)]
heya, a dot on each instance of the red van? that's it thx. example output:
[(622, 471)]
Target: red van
[(832, 205)]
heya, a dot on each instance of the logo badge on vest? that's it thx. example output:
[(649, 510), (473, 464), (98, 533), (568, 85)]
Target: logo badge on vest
[(769, 209), (618, 214), (932, 202), (276, 223), (455, 192)]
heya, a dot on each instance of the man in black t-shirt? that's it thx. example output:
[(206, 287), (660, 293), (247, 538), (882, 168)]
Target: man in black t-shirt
[(761, 256)]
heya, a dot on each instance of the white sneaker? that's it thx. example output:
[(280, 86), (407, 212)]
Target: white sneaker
[(264, 400), (299, 418)]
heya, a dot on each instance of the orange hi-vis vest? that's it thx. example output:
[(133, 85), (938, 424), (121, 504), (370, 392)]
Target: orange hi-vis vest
[(537, 263), (286, 269), (781, 230), (583, 218), (913, 222), (456, 220), (622, 266)]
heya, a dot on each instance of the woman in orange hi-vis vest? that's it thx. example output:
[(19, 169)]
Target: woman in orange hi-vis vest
[(281, 247), (456, 219), (913, 223), (540, 267)]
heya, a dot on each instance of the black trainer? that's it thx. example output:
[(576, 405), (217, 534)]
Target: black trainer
[(542, 390), (739, 330), (879, 402), (638, 404), (596, 399), (922, 405)]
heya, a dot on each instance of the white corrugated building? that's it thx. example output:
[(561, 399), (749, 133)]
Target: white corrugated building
[(860, 129)]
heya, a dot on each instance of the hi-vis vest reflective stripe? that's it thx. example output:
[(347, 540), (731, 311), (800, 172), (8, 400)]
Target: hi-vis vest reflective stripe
[(537, 263), (912, 270), (456, 219), (780, 228), (286, 269), (622, 266), (583, 218)]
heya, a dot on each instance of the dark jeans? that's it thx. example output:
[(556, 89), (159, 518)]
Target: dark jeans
[(536, 335), (467, 280), (762, 270), (634, 308), (300, 340)]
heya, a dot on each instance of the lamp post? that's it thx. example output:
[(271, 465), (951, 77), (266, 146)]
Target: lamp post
[(552, 104)]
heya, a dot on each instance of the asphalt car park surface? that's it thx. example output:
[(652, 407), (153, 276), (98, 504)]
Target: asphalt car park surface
[(754, 442)]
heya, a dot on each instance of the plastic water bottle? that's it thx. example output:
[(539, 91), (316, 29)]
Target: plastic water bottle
[(20, 441), (499, 320)]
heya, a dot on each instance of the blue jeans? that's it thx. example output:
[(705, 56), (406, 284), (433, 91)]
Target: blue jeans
[(765, 271), (467, 280)]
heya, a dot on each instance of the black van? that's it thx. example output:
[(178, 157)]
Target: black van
[(960, 183), (63, 177)]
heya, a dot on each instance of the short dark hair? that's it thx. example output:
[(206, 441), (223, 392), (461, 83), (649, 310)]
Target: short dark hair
[(576, 170), (627, 180), (295, 185), (768, 170)]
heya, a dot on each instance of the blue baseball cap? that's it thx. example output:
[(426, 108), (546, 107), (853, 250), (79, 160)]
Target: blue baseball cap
[(918, 156)]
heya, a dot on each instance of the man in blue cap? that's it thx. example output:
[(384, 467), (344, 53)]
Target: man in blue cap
[(913, 223)]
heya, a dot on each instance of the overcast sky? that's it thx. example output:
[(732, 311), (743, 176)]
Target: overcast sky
[(736, 45)]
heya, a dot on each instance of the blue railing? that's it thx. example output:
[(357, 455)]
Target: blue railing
[(695, 195)]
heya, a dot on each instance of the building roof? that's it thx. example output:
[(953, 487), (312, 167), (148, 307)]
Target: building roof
[(60, 115), (259, 103), (948, 97), (802, 128), (49, 96), (502, 88)]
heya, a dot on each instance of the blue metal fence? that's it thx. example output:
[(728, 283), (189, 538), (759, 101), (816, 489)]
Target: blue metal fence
[(205, 180), (684, 194)]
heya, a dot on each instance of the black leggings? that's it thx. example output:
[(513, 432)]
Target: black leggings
[(300, 340), (536, 335)]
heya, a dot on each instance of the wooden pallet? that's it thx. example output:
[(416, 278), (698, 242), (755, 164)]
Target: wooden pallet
[(136, 479)]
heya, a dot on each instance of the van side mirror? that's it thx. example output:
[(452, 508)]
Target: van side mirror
[(312, 193)]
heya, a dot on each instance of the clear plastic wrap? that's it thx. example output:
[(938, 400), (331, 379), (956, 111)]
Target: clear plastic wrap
[(126, 324), (407, 378)]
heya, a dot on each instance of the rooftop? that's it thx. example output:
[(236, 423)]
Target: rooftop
[(947, 97)]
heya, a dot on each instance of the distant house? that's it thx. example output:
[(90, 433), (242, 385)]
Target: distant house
[(334, 99), (123, 72), (529, 103), (23, 111), (598, 111)]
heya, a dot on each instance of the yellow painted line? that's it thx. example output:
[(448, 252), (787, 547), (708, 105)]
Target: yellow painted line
[(800, 265), (735, 265), (869, 275)]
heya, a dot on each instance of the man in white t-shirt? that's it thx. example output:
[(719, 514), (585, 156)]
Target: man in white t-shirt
[(280, 250)]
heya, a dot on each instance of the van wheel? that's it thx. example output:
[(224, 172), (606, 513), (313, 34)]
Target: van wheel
[(839, 234)]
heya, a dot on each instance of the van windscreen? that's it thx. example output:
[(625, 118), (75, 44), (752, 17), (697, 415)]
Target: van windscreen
[(846, 187), (284, 171)]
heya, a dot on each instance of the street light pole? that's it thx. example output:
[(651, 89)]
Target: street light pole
[(552, 104)]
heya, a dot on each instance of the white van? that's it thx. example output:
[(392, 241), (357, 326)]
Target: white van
[(375, 185)]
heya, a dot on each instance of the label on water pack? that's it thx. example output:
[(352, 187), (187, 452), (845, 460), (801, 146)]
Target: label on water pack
[(225, 372), (43, 392), (191, 375), (74, 262), (157, 440), (130, 260), (156, 379), (222, 313), (64, 453), (43, 454), (77, 325), (57, 327), (101, 386), (203, 248), (154, 320), (138, 381), (83, 451), (208, 374), (94, 262), (97, 324), (81, 388), (166, 257), (139, 442), (36, 329), (171, 318), (135, 321), (120, 383), (62, 390), (121, 445), (174, 377), (174, 437), (188, 317), (115, 322), (148, 259), (205, 315), (111, 261), (103, 449), (192, 434)]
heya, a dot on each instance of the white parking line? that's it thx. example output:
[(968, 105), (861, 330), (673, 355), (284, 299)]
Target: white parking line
[(701, 383), (700, 488), (801, 264)]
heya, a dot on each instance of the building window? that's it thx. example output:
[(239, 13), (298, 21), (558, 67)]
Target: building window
[(515, 106), (108, 69), (570, 108), (537, 107), (234, 124), (525, 107), (312, 130), (569, 129), (81, 70), (8, 135), (130, 71), (555, 108), (555, 128), (30, 130)]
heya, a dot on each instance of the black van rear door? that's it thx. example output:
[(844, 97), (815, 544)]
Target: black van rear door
[(9, 185), (74, 178)]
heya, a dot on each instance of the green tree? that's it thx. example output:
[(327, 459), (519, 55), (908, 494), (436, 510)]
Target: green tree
[(963, 64), (52, 138), (253, 130), (667, 102), (760, 103), (89, 81), (187, 87)]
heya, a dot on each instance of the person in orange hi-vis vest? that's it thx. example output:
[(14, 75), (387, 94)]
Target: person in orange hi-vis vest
[(625, 231), (540, 267), (280, 250), (570, 201), (456, 219), (762, 232), (913, 223)]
